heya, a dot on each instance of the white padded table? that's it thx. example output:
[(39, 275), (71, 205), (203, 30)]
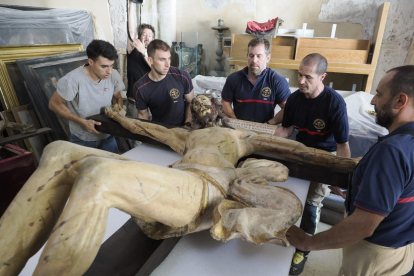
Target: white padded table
[(199, 254)]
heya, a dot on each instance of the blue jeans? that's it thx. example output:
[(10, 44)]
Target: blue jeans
[(310, 218), (108, 144)]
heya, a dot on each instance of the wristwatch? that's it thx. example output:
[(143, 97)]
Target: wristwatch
[(187, 124)]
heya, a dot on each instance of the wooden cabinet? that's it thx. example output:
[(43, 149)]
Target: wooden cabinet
[(334, 50)]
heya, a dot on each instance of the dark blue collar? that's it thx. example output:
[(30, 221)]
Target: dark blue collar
[(399, 129)]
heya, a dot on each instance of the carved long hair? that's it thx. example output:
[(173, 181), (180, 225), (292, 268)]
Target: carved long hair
[(215, 118)]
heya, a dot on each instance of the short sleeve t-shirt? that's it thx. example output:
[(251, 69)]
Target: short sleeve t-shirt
[(383, 184), (255, 102), (321, 122), (86, 98), (164, 98)]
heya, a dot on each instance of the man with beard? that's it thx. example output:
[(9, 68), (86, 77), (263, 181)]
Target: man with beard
[(378, 234), (87, 90), (256, 89), (137, 57), (166, 91), (319, 113)]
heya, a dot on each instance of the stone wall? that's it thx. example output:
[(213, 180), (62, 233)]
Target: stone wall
[(399, 30)]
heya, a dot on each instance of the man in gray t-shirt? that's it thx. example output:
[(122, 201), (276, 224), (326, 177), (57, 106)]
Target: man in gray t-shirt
[(87, 90)]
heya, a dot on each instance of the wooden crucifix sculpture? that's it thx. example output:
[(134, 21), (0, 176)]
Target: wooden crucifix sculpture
[(202, 190)]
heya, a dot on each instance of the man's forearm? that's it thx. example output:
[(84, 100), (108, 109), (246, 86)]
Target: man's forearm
[(63, 111), (283, 132), (359, 225), (228, 110), (131, 19), (277, 119), (341, 235), (343, 150), (120, 102), (143, 114), (231, 115), (118, 99), (188, 116)]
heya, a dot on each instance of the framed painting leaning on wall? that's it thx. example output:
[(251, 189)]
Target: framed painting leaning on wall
[(12, 90), (41, 76)]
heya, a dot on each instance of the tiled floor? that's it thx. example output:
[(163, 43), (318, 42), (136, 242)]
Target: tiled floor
[(325, 262)]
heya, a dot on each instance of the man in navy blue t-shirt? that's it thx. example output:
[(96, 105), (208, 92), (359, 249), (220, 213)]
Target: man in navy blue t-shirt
[(378, 234), (319, 114), (167, 91), (255, 90)]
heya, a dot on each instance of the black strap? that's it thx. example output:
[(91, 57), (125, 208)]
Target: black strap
[(380, 139)]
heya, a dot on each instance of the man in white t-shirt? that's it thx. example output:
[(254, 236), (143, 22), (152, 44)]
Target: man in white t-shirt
[(86, 91)]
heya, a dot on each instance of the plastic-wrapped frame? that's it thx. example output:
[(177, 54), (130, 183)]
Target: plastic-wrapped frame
[(52, 26)]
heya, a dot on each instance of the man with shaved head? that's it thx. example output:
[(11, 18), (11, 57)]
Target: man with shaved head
[(319, 114)]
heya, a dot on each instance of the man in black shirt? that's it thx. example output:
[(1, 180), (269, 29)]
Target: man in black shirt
[(319, 114), (167, 91)]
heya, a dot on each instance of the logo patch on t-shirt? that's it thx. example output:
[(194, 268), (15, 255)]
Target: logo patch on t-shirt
[(319, 124), (266, 92), (174, 93)]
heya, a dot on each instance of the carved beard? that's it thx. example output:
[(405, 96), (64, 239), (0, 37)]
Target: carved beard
[(205, 120)]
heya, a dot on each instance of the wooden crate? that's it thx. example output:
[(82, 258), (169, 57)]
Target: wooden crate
[(281, 47), (334, 50)]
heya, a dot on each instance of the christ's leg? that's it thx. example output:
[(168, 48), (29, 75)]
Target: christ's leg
[(28, 221), (146, 191)]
